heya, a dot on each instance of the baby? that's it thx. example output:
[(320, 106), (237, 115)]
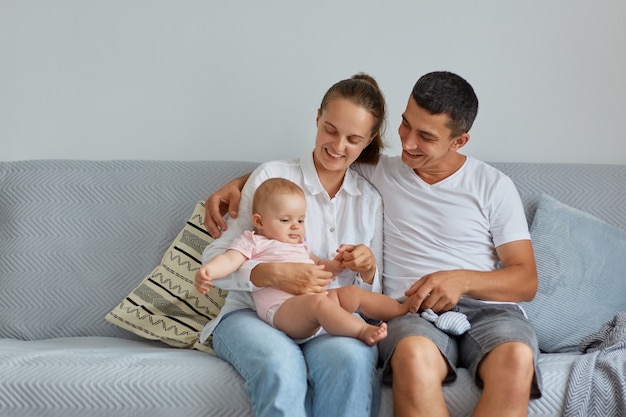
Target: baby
[(279, 208)]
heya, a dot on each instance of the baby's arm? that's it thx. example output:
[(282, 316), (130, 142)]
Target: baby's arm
[(218, 267)]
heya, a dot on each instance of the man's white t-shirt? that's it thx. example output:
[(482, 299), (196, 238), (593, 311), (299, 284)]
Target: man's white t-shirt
[(454, 224)]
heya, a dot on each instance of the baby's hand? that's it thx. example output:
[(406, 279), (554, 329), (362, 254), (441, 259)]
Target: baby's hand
[(202, 280)]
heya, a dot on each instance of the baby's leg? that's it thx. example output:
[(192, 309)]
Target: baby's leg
[(301, 316), (296, 317), (374, 305)]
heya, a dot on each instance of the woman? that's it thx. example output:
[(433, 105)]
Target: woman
[(328, 375)]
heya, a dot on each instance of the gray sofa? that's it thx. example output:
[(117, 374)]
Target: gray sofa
[(77, 237)]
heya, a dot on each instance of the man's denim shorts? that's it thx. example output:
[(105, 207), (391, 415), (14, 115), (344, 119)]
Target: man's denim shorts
[(491, 325)]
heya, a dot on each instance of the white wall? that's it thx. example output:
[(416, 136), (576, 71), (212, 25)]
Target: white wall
[(156, 79)]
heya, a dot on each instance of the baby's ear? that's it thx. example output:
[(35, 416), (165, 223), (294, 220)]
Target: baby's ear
[(257, 220)]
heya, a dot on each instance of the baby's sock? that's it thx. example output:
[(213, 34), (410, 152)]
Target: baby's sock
[(451, 322)]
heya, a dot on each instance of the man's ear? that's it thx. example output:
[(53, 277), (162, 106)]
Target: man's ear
[(460, 141), (257, 221)]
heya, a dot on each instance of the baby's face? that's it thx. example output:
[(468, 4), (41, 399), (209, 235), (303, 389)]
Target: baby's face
[(283, 218)]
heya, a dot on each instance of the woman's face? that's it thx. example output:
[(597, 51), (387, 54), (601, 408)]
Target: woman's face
[(344, 129)]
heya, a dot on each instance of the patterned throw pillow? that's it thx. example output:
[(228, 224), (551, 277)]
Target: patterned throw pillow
[(166, 306)]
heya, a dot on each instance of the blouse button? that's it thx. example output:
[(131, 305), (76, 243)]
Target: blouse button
[(332, 229)]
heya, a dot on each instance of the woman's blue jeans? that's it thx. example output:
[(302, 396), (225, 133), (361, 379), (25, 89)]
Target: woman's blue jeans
[(326, 376)]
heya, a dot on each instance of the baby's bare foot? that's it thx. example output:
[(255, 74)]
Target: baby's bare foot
[(371, 335)]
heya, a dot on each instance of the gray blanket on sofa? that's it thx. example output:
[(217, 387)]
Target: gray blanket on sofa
[(597, 383)]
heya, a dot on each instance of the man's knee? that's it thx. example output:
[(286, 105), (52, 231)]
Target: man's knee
[(511, 360), (417, 357)]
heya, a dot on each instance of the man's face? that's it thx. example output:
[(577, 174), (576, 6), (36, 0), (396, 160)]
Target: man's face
[(426, 140)]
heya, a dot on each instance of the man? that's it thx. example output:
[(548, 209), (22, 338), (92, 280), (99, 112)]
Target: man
[(455, 237)]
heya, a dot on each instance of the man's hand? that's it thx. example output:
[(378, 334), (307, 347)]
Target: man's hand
[(439, 291), (225, 200)]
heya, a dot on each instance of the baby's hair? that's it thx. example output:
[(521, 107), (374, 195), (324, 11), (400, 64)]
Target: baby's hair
[(271, 187)]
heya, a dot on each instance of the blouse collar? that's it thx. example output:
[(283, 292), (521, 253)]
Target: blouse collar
[(312, 181)]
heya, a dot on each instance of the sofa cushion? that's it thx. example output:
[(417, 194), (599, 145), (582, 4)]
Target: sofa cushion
[(111, 376), (165, 305), (581, 263)]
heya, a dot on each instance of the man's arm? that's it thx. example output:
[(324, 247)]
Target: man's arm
[(225, 200), (516, 281)]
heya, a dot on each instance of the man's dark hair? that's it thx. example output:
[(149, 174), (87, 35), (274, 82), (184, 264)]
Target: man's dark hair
[(443, 92)]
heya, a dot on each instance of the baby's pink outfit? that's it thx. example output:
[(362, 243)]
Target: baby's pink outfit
[(260, 248)]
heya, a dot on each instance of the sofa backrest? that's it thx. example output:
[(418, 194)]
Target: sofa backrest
[(594, 188), (77, 236)]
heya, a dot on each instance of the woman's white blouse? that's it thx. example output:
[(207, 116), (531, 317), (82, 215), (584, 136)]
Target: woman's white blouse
[(353, 216)]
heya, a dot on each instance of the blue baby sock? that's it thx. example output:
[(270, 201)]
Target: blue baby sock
[(451, 322)]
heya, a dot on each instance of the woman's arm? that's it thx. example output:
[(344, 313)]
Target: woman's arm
[(294, 278), (370, 267)]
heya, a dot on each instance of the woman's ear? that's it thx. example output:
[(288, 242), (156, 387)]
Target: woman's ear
[(372, 137)]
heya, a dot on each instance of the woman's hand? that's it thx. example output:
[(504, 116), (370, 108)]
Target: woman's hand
[(332, 265), (358, 258), (225, 200), (294, 278)]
